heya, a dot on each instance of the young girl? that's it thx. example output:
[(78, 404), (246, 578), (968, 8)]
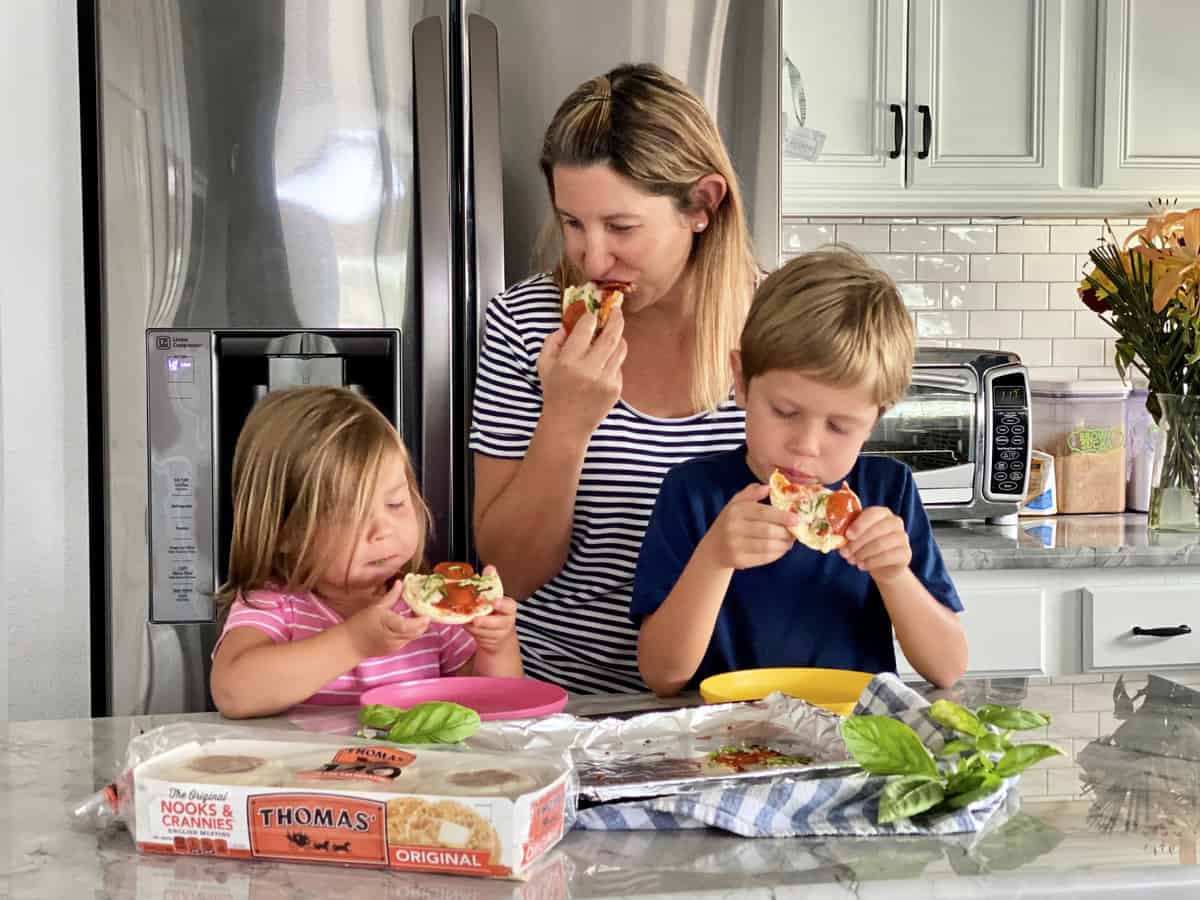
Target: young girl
[(326, 521)]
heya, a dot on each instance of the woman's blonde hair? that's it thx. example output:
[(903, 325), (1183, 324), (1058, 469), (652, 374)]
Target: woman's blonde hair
[(651, 129), (832, 315), (307, 460)]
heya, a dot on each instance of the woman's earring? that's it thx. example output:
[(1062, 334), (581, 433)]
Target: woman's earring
[(699, 226)]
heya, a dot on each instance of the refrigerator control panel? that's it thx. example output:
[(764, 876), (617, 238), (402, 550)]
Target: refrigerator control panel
[(180, 449)]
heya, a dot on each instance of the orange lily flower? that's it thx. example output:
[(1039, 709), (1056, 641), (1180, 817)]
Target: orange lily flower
[(1171, 243)]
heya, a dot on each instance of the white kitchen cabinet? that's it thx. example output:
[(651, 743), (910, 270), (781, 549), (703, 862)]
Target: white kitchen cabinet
[(1159, 629), (933, 96), (1006, 631), (1147, 109)]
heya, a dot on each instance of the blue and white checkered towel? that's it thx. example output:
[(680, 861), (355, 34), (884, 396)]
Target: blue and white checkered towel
[(785, 807)]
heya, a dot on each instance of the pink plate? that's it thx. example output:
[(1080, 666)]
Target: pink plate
[(492, 698)]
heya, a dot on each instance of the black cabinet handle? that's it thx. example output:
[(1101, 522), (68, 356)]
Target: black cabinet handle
[(1162, 632), (926, 130), (898, 129)]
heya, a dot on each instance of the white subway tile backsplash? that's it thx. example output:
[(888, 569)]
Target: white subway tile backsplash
[(802, 238), (969, 239), (1099, 373), (1023, 239), (921, 294), (865, 238), (968, 295), (1049, 324), (942, 324), (948, 267), (916, 239), (998, 267), (901, 266), (1090, 325), (1006, 324), (1004, 282), (1021, 295), (1073, 238), (1065, 295), (1032, 353), (1049, 267), (1078, 352)]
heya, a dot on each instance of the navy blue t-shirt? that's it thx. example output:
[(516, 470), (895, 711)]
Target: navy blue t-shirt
[(806, 608)]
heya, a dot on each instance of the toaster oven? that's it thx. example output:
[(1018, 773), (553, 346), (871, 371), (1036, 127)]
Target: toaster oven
[(964, 430)]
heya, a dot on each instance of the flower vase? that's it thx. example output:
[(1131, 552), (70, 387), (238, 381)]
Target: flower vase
[(1175, 478)]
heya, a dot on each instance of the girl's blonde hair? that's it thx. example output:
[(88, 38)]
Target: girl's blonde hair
[(307, 461), (650, 128), (832, 315)]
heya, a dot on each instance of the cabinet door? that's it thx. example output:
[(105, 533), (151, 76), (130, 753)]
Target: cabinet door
[(1142, 628), (988, 75), (1005, 632), (1148, 128), (848, 61)]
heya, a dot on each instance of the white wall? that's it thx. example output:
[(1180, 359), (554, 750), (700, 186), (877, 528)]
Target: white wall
[(43, 467)]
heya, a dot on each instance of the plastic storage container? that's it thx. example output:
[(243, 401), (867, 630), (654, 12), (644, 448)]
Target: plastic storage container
[(1082, 425)]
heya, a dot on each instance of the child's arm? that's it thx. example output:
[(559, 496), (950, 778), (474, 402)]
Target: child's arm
[(254, 676), (674, 638), (929, 633)]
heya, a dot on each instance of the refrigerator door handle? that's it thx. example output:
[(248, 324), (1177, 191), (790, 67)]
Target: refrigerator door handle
[(484, 54), (432, 140)]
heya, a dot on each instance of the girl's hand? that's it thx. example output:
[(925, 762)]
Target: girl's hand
[(581, 378), (494, 631), (377, 631), (878, 544), (748, 532)]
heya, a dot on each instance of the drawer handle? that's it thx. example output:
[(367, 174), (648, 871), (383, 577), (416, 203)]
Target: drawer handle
[(1162, 632)]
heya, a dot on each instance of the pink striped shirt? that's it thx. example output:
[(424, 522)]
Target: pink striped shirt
[(282, 616)]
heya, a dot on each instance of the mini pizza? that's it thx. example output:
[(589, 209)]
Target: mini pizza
[(599, 297), (452, 594), (749, 758), (824, 514)]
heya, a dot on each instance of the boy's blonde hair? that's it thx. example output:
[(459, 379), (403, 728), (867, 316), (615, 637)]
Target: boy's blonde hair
[(832, 315), (651, 129), (306, 464)]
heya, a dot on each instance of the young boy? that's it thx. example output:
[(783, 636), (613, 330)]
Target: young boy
[(721, 584)]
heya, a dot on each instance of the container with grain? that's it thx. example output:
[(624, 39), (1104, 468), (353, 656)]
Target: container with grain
[(1082, 425)]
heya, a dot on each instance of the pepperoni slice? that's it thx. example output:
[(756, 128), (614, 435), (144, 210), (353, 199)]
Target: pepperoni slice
[(841, 509)]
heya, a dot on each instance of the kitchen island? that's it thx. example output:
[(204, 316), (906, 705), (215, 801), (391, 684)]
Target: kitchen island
[(1134, 832)]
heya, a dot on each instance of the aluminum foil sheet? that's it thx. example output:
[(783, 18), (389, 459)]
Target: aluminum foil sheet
[(665, 752)]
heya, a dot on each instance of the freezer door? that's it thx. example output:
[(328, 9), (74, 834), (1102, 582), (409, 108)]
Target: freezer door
[(726, 50)]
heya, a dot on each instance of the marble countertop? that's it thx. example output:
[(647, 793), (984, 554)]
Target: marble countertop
[(1137, 830), (1064, 542)]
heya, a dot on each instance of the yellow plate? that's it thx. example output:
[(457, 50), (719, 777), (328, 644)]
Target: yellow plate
[(836, 690)]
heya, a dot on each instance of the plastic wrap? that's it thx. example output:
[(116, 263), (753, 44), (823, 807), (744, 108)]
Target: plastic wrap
[(250, 793)]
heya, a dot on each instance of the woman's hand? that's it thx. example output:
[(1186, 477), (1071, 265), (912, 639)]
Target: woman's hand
[(581, 378), (377, 631)]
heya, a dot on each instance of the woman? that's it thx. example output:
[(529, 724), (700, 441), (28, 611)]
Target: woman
[(572, 435)]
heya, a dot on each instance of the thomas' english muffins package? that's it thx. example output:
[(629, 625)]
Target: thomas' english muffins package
[(248, 793)]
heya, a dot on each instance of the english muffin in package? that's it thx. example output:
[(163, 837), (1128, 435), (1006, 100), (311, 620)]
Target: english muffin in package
[(249, 793)]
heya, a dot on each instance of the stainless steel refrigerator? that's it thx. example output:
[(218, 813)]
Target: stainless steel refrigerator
[(359, 166)]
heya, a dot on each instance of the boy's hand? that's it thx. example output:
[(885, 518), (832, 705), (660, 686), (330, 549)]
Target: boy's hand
[(377, 631), (878, 544), (494, 631), (748, 532)]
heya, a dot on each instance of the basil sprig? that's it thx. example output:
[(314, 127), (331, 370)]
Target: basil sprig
[(435, 722), (962, 773)]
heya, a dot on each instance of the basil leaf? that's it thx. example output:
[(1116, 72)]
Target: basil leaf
[(1010, 718), (435, 722), (950, 714), (908, 796), (1022, 756), (885, 746), (377, 715), (992, 743), (972, 788), (957, 747)]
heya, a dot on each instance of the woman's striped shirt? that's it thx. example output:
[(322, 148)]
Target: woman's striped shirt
[(575, 630)]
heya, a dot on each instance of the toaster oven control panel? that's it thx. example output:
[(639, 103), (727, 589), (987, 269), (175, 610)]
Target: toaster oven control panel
[(1010, 435)]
